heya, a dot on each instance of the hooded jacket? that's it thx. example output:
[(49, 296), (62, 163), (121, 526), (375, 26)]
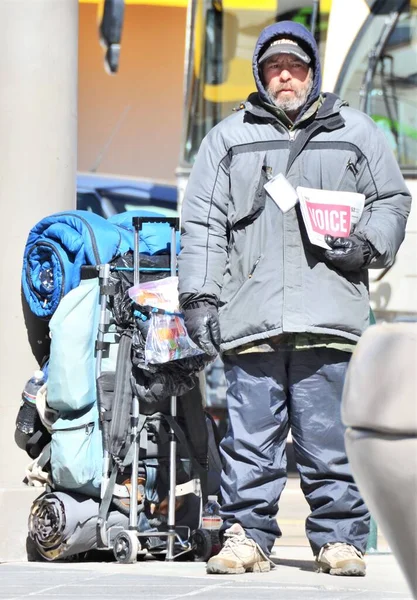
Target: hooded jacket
[(240, 250)]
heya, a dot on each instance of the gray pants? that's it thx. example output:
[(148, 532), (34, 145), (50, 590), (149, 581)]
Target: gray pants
[(267, 394)]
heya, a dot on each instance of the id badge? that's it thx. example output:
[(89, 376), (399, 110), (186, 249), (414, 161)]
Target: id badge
[(281, 192)]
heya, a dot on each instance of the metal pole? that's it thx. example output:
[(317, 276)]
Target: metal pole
[(316, 7), (104, 275), (136, 257), (133, 508), (372, 545), (183, 169), (173, 441), (172, 485), (38, 158)]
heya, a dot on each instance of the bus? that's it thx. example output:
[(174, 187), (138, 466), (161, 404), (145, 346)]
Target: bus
[(220, 39), (369, 57), (368, 51), (371, 61)]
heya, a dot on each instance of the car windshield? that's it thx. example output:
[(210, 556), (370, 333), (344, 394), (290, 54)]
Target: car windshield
[(107, 203), (124, 202)]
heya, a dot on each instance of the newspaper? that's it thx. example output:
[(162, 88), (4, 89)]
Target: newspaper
[(329, 212)]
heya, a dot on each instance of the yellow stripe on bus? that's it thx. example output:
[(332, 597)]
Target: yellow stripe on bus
[(178, 3), (242, 5), (227, 4), (325, 5), (271, 5)]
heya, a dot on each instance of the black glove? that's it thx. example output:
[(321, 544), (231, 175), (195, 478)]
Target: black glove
[(349, 254), (202, 323)]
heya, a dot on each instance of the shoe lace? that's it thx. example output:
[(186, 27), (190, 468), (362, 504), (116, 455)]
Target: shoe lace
[(342, 550), (232, 540)]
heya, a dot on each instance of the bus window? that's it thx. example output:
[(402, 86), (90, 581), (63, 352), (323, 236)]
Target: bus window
[(219, 73), (387, 76), (221, 40)]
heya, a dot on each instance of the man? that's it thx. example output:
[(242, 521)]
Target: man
[(284, 313)]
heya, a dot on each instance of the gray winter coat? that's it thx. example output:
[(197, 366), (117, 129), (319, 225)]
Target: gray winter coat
[(257, 262)]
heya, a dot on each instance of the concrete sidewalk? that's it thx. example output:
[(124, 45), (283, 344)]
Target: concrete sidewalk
[(293, 578)]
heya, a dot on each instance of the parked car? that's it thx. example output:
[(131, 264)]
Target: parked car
[(108, 195)]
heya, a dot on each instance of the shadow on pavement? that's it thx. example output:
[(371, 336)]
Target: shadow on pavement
[(301, 565)]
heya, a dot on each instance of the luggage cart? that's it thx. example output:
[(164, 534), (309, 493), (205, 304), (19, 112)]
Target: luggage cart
[(129, 544)]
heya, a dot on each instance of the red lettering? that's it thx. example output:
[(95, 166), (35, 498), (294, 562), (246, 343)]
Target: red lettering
[(329, 219)]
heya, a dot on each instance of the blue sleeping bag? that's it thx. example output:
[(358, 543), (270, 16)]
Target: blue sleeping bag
[(155, 238), (60, 244), (56, 249)]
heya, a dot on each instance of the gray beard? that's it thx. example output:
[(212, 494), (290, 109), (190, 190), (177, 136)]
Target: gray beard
[(291, 104)]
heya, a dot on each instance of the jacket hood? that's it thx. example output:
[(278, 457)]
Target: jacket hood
[(300, 34)]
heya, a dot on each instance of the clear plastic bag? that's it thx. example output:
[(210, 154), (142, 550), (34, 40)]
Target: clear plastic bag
[(168, 339), (162, 293)]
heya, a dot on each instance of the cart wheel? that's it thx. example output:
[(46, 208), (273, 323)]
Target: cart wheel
[(126, 547), (201, 545)]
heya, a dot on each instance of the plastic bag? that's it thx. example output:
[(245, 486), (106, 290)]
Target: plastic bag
[(168, 339), (162, 293)]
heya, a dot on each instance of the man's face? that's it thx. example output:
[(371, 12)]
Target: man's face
[(288, 81)]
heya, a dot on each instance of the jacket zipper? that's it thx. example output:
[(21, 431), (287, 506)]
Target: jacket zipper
[(267, 172), (291, 139), (242, 285), (349, 167), (89, 427), (252, 271)]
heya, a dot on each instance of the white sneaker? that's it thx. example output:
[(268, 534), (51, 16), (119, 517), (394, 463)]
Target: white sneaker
[(239, 554), (341, 559)]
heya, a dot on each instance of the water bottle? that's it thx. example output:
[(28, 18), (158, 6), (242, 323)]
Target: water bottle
[(211, 521), (27, 415)]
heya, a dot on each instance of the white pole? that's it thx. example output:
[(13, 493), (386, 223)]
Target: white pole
[(38, 156)]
